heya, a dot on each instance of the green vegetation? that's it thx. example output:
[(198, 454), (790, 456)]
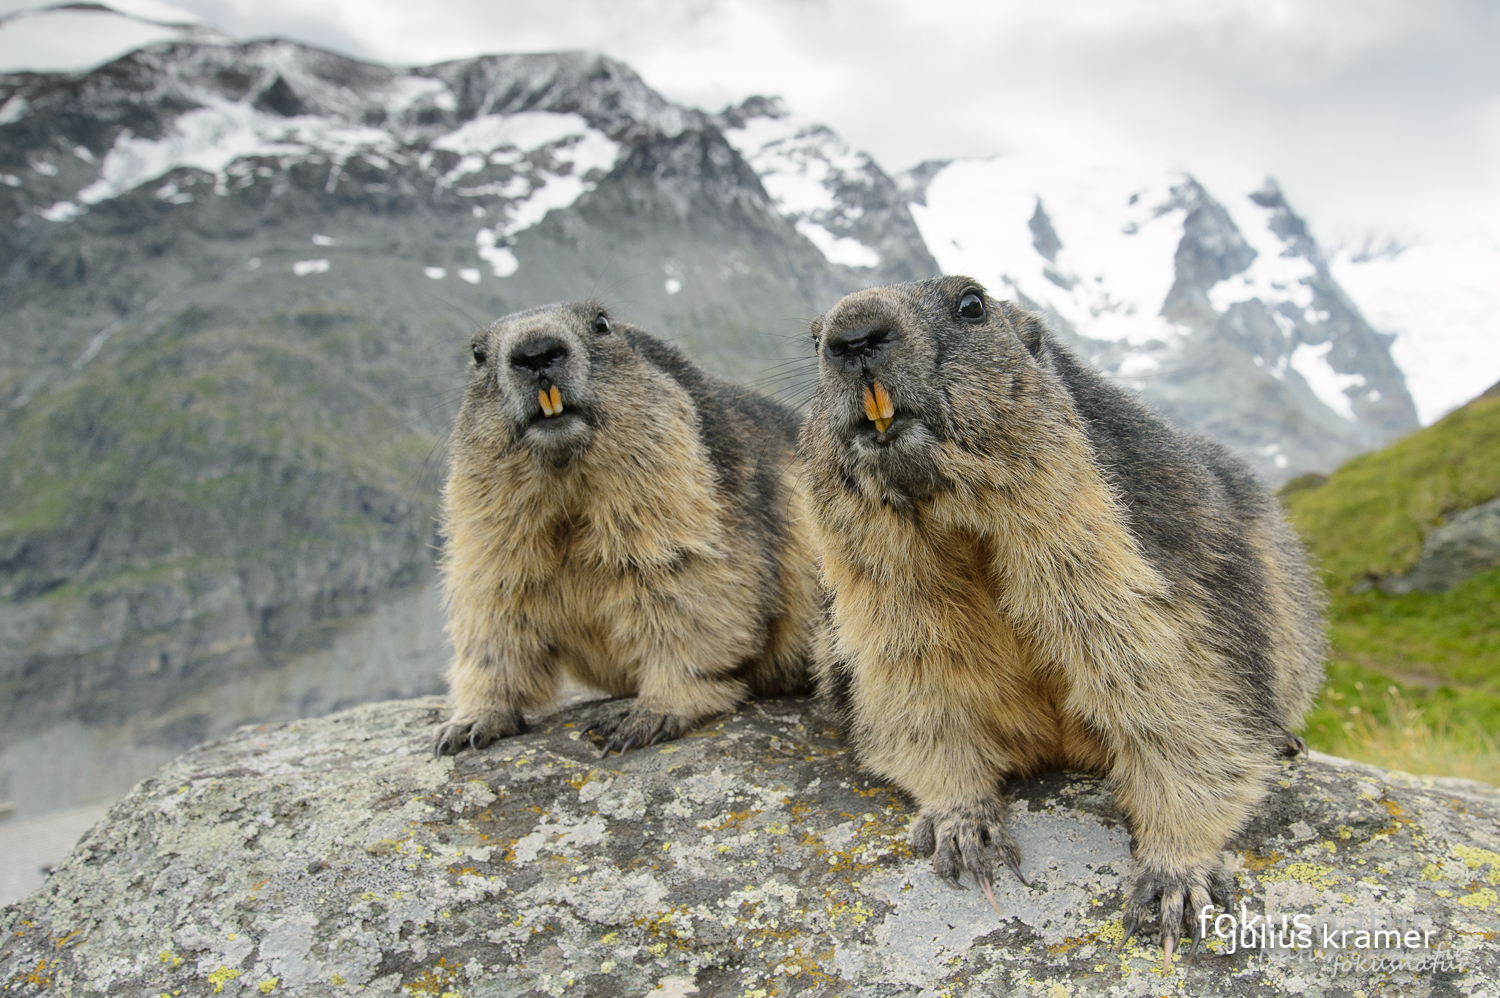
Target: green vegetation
[(1413, 680)]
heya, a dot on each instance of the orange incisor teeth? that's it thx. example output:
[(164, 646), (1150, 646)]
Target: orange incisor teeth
[(546, 401), (556, 401), (878, 407)]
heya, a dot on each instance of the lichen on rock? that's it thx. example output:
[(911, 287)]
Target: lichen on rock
[(752, 857)]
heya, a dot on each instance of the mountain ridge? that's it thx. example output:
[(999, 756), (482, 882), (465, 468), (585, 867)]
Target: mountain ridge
[(229, 362)]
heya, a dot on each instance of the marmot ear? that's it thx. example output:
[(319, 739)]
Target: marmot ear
[(1031, 336), (1027, 327)]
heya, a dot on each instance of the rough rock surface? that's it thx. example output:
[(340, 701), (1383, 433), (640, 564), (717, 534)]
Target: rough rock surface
[(1469, 543), (336, 856)]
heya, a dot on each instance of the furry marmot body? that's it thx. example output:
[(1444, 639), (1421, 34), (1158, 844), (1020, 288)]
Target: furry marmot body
[(1029, 569), (615, 515)]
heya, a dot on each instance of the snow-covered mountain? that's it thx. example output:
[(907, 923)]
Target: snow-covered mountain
[(836, 195), (237, 281), (1224, 315)]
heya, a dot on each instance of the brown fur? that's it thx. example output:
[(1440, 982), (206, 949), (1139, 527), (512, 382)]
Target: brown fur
[(1029, 570), (664, 557)]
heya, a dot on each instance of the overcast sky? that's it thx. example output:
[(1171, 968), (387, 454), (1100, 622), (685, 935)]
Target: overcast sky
[(1376, 116)]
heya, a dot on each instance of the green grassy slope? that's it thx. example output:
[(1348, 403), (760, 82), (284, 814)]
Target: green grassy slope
[(1413, 680)]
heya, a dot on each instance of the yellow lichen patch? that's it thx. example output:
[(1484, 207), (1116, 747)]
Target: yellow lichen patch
[(1070, 944), (663, 926), (34, 976), (167, 958), (809, 969), (1398, 819), (1345, 833), (1482, 899), (268, 985), (1303, 872), (222, 976), (1432, 872), (1111, 932), (858, 912), (1475, 858), (736, 819), (337, 979), (435, 980), (1255, 863)]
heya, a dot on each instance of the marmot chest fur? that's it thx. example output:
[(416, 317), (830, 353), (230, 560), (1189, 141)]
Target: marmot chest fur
[(616, 515), (1030, 569)]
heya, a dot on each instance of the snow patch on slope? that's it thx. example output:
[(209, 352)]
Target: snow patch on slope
[(1276, 275), (548, 160), (837, 249), (211, 138), (582, 154), (1115, 263), (1442, 302), (802, 167), (1331, 387)]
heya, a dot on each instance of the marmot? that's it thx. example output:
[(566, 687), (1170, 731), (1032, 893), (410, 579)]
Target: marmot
[(614, 514), (1029, 569)]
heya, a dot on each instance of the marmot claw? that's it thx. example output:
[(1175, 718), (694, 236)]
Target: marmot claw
[(1179, 899), (968, 838), (636, 727), (1291, 745), (476, 733)]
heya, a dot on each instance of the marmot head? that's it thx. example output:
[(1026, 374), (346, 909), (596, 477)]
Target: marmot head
[(904, 371), (545, 380)]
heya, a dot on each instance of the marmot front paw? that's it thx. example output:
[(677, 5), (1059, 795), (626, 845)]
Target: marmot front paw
[(636, 727), (477, 731), (969, 837), (1179, 898)]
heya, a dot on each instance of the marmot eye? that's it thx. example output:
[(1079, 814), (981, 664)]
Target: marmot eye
[(601, 324), (971, 306), (479, 354)]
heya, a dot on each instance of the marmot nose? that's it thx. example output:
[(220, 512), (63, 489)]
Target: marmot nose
[(539, 355), (859, 348)]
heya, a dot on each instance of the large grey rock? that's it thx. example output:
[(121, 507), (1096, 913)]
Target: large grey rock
[(1469, 543), (335, 856)]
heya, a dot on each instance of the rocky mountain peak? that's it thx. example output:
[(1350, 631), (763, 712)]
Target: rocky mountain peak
[(1210, 309), (836, 196)]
